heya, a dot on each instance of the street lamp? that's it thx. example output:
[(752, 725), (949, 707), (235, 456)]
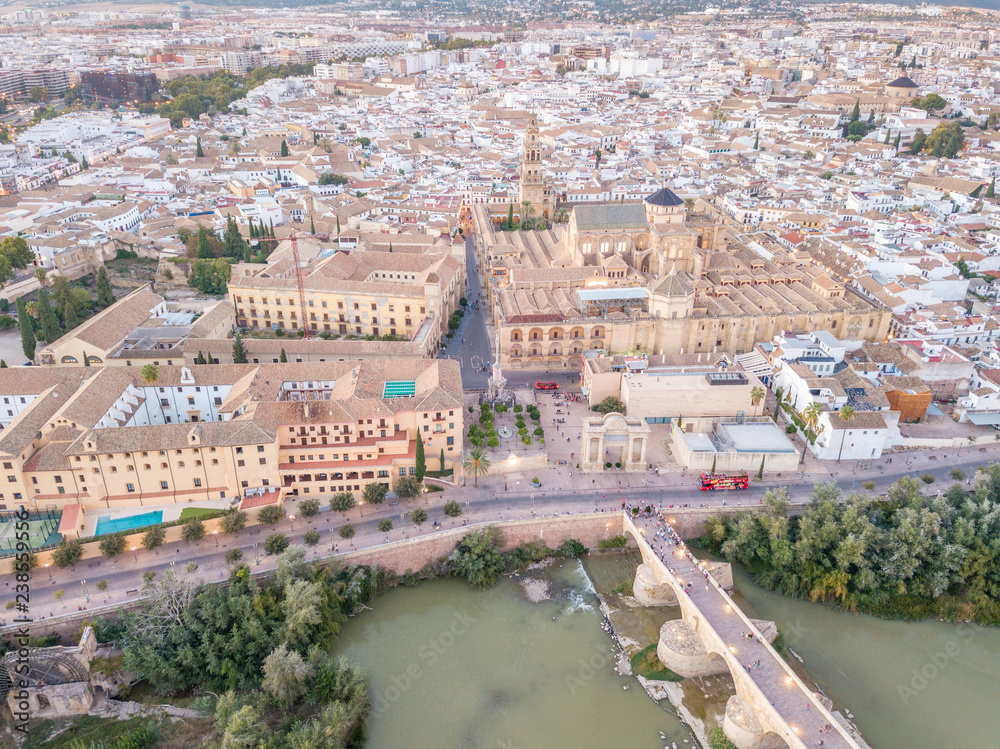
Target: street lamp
[(216, 534), (48, 570), (257, 558), (86, 592), (291, 519), (134, 555)]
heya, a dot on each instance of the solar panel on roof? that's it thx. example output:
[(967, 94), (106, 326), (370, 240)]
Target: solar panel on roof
[(399, 389)]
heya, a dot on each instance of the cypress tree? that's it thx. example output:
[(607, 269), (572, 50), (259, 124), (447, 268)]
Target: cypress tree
[(3, 364), (312, 225), (991, 190), (105, 296), (510, 215), (198, 152), (27, 327), (284, 151), (856, 112), (420, 461), (338, 226), (442, 460), (272, 228), (895, 142), (390, 246), (200, 359), (887, 134), (47, 318), (283, 357), (239, 350), (86, 359)]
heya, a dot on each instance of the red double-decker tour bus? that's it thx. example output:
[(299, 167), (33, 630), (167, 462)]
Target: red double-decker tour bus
[(714, 481), (539, 385)]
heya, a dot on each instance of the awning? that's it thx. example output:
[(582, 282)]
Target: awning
[(982, 419)]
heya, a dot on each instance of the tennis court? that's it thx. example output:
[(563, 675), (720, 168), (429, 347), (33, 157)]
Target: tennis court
[(41, 531)]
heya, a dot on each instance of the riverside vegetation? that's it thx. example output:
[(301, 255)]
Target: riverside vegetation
[(902, 556), (255, 656)]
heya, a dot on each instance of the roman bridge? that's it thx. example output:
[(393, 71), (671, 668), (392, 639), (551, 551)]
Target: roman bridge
[(772, 707)]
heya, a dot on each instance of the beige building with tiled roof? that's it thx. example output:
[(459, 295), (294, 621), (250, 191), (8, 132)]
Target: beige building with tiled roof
[(104, 437), (372, 290)]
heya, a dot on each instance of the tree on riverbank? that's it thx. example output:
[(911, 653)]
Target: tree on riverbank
[(905, 556)]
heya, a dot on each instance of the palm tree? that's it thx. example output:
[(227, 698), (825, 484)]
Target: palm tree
[(42, 275), (150, 373), (477, 464), (846, 414), (811, 415), (757, 394), (527, 211)]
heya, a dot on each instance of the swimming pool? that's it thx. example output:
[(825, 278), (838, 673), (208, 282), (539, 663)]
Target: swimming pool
[(107, 524)]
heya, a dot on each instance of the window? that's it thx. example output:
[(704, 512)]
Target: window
[(163, 485), (197, 482), (260, 448), (451, 440), (240, 463), (130, 487), (263, 461)]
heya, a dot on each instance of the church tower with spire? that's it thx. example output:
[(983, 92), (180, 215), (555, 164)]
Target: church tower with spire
[(533, 187)]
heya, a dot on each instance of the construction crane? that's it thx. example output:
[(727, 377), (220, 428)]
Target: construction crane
[(298, 282)]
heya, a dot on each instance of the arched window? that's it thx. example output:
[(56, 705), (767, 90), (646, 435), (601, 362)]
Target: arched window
[(516, 335), (69, 360)]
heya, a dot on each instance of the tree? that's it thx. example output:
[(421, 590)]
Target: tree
[(309, 508), (611, 404), (991, 190), (374, 493), (239, 350), (67, 553), (332, 178), (286, 675), (47, 318), (210, 276), (270, 514), (150, 373), (311, 537), (421, 462), (275, 543), (919, 139), (756, 142), (384, 525), (193, 530), (847, 413), (946, 140), (757, 394), (418, 516), (284, 149), (477, 464), (346, 531), (856, 112), (812, 414), (17, 251), (597, 159), (406, 487), (233, 244), (105, 296), (233, 556), (895, 142), (283, 357), (69, 302), (342, 502), (154, 538), (478, 557), (26, 323), (112, 545), (198, 151), (233, 521), (510, 215), (928, 103), (203, 249), (441, 460), (452, 508)]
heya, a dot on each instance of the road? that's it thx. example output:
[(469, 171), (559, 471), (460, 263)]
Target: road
[(560, 493), (471, 344)]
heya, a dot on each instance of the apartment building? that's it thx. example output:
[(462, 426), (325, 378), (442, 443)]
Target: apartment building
[(403, 285), (103, 437)]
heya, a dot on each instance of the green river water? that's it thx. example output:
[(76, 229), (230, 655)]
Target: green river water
[(453, 668)]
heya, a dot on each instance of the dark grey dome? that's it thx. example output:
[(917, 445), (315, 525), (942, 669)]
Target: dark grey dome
[(902, 82), (664, 197)]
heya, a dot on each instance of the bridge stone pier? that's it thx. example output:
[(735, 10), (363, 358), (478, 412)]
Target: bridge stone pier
[(772, 707)]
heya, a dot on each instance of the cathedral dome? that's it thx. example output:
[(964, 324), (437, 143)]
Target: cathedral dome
[(664, 197)]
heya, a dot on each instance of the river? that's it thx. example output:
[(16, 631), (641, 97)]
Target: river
[(521, 666)]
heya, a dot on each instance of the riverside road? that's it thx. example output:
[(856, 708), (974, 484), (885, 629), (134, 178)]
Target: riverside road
[(560, 493)]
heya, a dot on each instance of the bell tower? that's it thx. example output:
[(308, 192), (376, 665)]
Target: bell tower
[(533, 186)]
